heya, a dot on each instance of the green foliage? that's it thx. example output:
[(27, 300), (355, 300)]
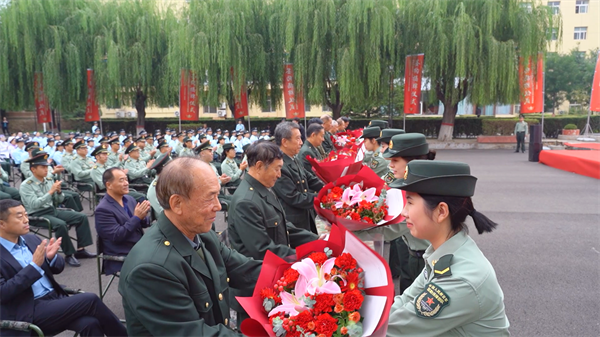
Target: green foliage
[(502, 126), (569, 77), (570, 127)]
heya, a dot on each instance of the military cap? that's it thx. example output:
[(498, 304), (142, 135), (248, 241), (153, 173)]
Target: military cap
[(187, 139), (50, 140), (220, 138), (31, 145), (127, 140), (57, 135), (181, 134), (95, 122), (163, 143), (254, 129), (36, 151), (78, 135), (201, 137), (79, 144), (71, 133), (41, 158), (140, 139), (225, 131), (371, 132), (227, 146), (67, 142), (203, 146), (20, 140), (161, 161), (131, 148), (446, 178), (209, 129), (245, 147), (159, 138), (113, 140), (99, 149), (90, 140), (387, 134), (377, 122), (149, 137), (407, 145), (218, 130), (247, 132), (88, 131), (122, 130), (143, 132), (60, 143), (158, 130), (104, 140)]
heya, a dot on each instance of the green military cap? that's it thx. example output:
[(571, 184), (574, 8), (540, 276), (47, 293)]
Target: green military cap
[(131, 148), (114, 140), (227, 146), (245, 147), (68, 141), (104, 140), (36, 151), (31, 145), (371, 132), (127, 140), (99, 149), (381, 124), (446, 178), (149, 137), (407, 145), (269, 139), (163, 143), (203, 146), (41, 158), (79, 144), (387, 134), (202, 136), (187, 139), (161, 161), (141, 138)]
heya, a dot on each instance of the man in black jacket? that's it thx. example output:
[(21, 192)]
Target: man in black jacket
[(28, 290)]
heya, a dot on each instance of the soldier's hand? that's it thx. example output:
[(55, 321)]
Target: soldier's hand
[(58, 169), (121, 157), (225, 179), (152, 153), (55, 187), (141, 209), (150, 162), (52, 248), (40, 253), (243, 165)]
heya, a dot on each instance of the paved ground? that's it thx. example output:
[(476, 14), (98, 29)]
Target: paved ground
[(546, 250)]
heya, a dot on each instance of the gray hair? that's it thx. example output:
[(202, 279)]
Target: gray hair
[(263, 151), (284, 131), (176, 179), (325, 118)]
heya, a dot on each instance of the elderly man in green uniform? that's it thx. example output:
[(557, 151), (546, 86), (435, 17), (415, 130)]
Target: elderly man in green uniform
[(205, 153), (101, 155), (137, 169), (115, 158), (314, 139), (182, 287), (40, 194), (158, 166), (327, 142), (188, 148), (376, 162), (7, 192), (297, 187)]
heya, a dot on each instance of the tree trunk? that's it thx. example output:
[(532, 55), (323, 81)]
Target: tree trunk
[(336, 107), (140, 107), (447, 128)]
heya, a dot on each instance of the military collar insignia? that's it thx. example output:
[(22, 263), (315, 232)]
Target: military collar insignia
[(431, 301), (391, 146), (406, 172)]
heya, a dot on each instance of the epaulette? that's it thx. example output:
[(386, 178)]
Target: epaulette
[(29, 182), (50, 179), (95, 167), (442, 267), (154, 183)]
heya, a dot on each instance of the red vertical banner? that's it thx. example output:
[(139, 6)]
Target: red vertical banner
[(538, 95), (42, 107), (241, 101), (413, 74), (595, 100), (188, 97), (294, 104), (527, 84), (91, 109)]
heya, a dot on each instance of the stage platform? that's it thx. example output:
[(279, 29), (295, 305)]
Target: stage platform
[(582, 162), (590, 146)]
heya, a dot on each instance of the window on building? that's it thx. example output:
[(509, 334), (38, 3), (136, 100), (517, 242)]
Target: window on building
[(210, 109), (554, 6), (554, 34), (580, 33), (269, 105), (306, 107), (581, 6)]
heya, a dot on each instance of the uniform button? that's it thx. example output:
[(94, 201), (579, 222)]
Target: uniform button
[(167, 243), (298, 182), (226, 321), (220, 297), (288, 233), (305, 190), (275, 223), (228, 280), (303, 181), (251, 189), (206, 305)]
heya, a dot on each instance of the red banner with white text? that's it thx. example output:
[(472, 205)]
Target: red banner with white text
[(241, 101), (42, 106), (91, 109), (294, 102), (413, 74), (188, 97), (532, 87), (595, 100)]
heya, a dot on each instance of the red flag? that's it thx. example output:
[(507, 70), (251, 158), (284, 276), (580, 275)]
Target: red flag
[(42, 107), (241, 101), (413, 73), (91, 108), (532, 88), (294, 104), (188, 97), (595, 100)]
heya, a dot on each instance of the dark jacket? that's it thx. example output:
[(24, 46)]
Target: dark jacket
[(16, 294), (118, 231), (168, 289), (308, 149), (297, 189), (328, 143), (257, 223)]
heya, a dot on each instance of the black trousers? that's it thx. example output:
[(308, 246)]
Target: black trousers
[(84, 313), (520, 141), (399, 263), (61, 221)]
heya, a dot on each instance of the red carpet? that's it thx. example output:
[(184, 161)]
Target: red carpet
[(592, 146), (582, 162)]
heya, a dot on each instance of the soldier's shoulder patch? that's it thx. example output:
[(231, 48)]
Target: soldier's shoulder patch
[(431, 301), (128, 160), (374, 163), (376, 154), (29, 182), (49, 179), (442, 266)]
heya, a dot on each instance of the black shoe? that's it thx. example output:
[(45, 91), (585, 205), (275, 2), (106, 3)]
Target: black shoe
[(84, 254), (517, 151), (72, 261)]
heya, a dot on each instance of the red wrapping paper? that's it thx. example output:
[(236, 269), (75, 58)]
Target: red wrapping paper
[(331, 170)]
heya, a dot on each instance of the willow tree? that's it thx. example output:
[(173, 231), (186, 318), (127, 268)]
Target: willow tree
[(343, 50), (472, 48), (130, 48), (229, 45), (38, 36)]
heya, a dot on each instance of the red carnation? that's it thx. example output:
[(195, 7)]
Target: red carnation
[(345, 261), (326, 325), (270, 293), (324, 303), (303, 318), (318, 257), (353, 300), (290, 276)]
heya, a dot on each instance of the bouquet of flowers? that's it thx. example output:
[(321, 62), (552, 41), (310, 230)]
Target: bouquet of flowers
[(346, 139), (360, 201), (339, 288), (334, 166)]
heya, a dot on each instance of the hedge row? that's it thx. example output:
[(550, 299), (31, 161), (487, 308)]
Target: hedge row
[(464, 127)]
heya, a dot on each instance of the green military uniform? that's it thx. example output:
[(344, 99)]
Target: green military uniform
[(158, 165), (379, 123), (187, 152), (8, 192), (373, 159), (378, 164), (230, 168), (98, 171), (182, 287), (296, 190), (327, 143), (137, 170), (308, 149), (38, 202), (67, 157), (113, 159)]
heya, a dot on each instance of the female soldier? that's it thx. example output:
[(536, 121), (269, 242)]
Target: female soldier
[(230, 167), (457, 293)]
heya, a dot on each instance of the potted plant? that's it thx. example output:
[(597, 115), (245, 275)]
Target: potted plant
[(570, 130)]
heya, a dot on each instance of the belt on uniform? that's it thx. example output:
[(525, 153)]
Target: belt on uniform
[(416, 253)]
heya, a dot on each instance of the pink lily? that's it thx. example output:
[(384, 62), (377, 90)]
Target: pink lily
[(368, 195), (312, 278), (346, 197), (290, 304)]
